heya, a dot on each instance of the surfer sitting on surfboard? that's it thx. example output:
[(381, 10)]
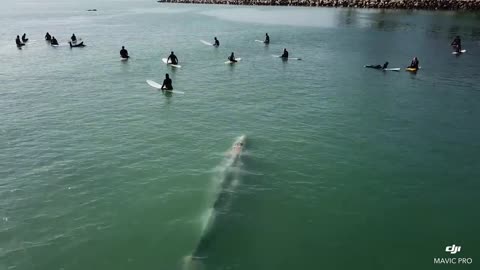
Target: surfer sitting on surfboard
[(73, 38), (18, 42), (414, 64), (232, 58), (167, 83), (216, 43), (172, 59), (285, 54), (267, 39), (54, 41), (457, 44), (124, 53), (24, 38), (378, 66), (48, 37)]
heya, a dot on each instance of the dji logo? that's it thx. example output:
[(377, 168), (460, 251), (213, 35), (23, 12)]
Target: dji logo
[(453, 249)]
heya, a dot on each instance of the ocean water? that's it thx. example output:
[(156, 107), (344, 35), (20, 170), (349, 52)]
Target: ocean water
[(343, 168)]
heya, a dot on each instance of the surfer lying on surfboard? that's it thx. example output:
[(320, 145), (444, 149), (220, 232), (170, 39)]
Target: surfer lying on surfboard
[(172, 59), (167, 83), (124, 53), (378, 66)]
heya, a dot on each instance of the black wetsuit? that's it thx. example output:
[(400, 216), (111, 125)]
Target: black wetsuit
[(74, 38), (172, 59), (217, 43), (54, 41), (24, 38), (18, 42), (123, 53), (232, 58), (167, 84), (414, 64), (285, 54), (48, 37), (267, 39), (457, 43)]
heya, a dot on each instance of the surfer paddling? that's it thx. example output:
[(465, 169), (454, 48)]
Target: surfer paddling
[(378, 66)]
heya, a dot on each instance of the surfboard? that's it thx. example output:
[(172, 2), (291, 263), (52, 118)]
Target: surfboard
[(206, 42), (412, 69), (159, 87), (462, 51), (123, 59), (289, 58), (230, 62), (164, 60), (260, 41), (392, 69)]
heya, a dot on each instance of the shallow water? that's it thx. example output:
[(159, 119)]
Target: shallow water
[(345, 167)]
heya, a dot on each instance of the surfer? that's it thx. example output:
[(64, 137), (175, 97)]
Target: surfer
[(172, 59), (457, 44), (54, 41), (124, 53), (18, 42), (378, 66), (73, 38), (267, 39), (231, 58), (216, 43), (48, 37), (76, 45), (167, 83), (24, 38), (414, 64), (285, 54)]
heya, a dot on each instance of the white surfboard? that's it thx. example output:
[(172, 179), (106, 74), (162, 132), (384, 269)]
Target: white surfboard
[(123, 59), (230, 62), (206, 42), (260, 41), (462, 51), (159, 87), (392, 69), (289, 58), (164, 60)]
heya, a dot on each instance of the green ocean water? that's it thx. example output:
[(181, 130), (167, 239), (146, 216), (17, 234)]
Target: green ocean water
[(344, 167)]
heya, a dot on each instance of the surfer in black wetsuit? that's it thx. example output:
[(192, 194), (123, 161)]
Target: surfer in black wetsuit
[(378, 66), (457, 44), (267, 39), (172, 59), (167, 83), (54, 41), (18, 42), (24, 38), (414, 64), (124, 53), (232, 58), (216, 43), (73, 38), (48, 37), (285, 54)]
